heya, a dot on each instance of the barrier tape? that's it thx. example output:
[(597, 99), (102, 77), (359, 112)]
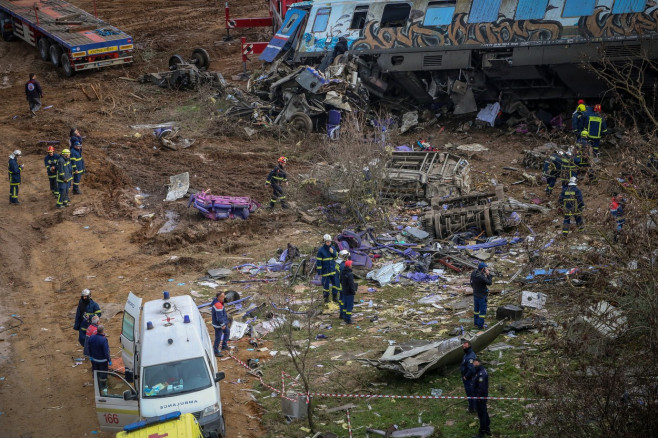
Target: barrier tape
[(373, 396), (349, 423)]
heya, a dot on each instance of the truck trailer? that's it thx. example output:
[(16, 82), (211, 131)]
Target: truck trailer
[(65, 35)]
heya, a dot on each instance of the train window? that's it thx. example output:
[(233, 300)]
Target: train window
[(359, 17), (395, 15), (531, 9), (628, 6), (484, 11), (578, 8), (439, 13), (321, 20)]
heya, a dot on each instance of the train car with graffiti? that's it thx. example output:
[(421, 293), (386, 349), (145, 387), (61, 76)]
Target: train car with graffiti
[(533, 49)]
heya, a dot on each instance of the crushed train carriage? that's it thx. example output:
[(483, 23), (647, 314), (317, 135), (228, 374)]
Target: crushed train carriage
[(463, 50)]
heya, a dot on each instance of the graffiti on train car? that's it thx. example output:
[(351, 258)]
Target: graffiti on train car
[(604, 24), (459, 32)]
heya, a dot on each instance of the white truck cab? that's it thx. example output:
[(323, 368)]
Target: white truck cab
[(168, 356)]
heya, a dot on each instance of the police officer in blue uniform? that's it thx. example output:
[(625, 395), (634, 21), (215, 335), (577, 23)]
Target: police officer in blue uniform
[(468, 372), (481, 391)]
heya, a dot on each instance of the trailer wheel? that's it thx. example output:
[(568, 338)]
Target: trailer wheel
[(66, 65), (8, 36), (55, 54), (201, 59), (174, 61), (44, 49), (301, 122)]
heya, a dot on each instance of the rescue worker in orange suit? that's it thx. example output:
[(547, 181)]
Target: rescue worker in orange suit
[(349, 290), (596, 127), (64, 177), (87, 308), (78, 166), (276, 178), (99, 355), (14, 170), (481, 391), (326, 266), (572, 205), (220, 324), (51, 169)]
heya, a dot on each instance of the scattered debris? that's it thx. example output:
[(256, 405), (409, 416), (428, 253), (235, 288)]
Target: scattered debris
[(178, 186), (222, 207)]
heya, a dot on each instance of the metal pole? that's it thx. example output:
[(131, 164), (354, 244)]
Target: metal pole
[(227, 18)]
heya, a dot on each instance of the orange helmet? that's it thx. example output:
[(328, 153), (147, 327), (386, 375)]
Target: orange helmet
[(597, 108), (51, 149), (282, 160)]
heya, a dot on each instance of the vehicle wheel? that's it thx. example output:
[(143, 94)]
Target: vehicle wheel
[(174, 61), (301, 122), (201, 59), (44, 49), (55, 54), (66, 65)]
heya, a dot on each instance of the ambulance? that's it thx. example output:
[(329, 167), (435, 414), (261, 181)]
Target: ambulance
[(169, 367)]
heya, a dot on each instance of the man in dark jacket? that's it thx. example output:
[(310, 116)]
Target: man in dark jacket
[(481, 389), (571, 205), (99, 355), (480, 279), (468, 372), (220, 324), (349, 290), (78, 166), (50, 162), (14, 170), (34, 94), (87, 308), (326, 266), (64, 177), (276, 178)]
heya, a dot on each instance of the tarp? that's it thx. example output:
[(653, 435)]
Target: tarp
[(385, 274), (489, 113)]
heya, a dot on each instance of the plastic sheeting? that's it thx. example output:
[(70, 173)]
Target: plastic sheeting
[(385, 274)]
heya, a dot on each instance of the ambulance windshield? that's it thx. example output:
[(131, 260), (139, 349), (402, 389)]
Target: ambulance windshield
[(175, 378)]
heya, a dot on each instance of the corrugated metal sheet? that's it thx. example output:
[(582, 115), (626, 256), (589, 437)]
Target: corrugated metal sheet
[(628, 6), (484, 11), (578, 8), (531, 9)]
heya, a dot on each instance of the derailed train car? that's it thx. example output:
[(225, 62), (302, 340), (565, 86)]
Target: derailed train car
[(529, 49)]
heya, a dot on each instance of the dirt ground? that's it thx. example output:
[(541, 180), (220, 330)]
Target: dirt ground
[(109, 250)]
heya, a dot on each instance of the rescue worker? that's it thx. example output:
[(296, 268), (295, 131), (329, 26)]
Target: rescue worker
[(34, 94), (51, 168), (276, 177), (582, 157), (617, 211), (568, 169), (220, 324), (551, 170), (481, 390), (579, 119), (481, 278), (340, 48), (91, 331), (326, 267), (349, 290), (64, 177), (74, 136), (78, 166), (14, 170), (596, 127), (87, 308), (467, 370), (99, 355), (343, 255), (571, 202)]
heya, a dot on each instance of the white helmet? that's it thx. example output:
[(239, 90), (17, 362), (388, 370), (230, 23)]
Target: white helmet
[(572, 181), (17, 153), (85, 293), (343, 253), (326, 237)]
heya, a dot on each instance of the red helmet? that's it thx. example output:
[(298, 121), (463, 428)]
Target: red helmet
[(282, 160), (581, 102), (51, 149), (597, 108)]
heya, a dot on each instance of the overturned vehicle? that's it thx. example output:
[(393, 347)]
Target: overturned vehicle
[(455, 52)]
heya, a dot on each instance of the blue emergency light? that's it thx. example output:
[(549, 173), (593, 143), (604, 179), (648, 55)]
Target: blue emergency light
[(151, 421)]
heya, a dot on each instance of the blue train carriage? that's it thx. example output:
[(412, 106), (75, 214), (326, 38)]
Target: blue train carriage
[(65, 35), (531, 48)]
